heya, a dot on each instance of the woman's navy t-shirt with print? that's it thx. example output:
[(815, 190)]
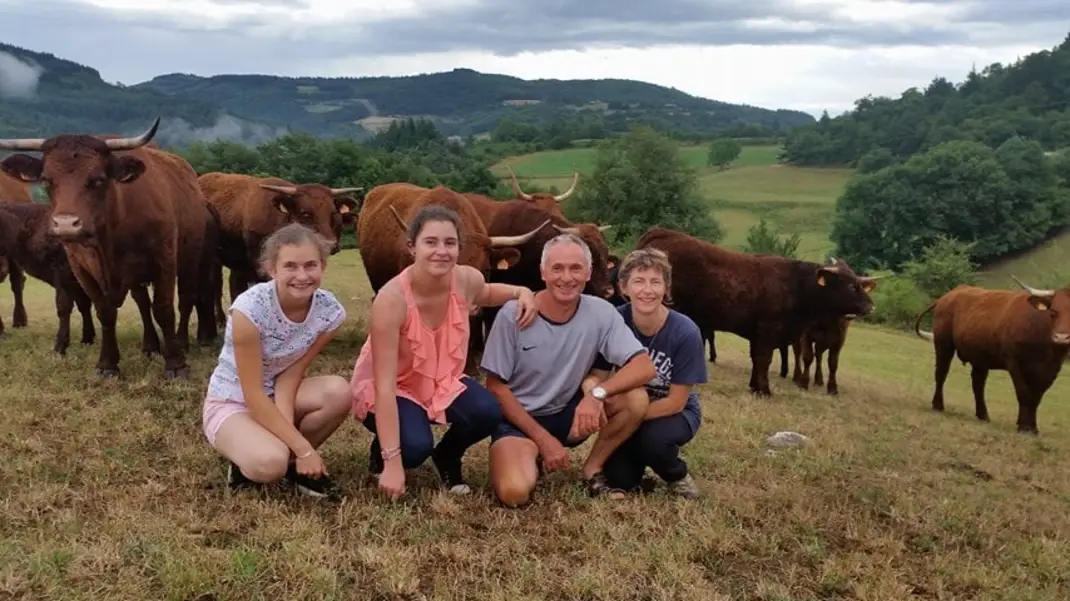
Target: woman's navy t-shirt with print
[(679, 357)]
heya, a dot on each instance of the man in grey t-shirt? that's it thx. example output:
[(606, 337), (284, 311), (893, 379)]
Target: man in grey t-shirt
[(539, 375)]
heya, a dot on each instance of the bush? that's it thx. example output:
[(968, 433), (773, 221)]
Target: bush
[(943, 265), (761, 238), (898, 301)]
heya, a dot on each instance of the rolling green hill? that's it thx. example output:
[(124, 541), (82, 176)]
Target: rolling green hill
[(254, 108), (795, 199), (755, 186)]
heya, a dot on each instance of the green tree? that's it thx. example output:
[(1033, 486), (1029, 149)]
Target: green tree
[(957, 189), (723, 151), (761, 238), (640, 180)]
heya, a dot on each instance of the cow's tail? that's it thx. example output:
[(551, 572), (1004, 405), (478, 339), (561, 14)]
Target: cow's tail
[(917, 324)]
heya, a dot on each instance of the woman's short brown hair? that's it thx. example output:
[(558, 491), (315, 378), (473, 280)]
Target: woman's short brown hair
[(646, 258)]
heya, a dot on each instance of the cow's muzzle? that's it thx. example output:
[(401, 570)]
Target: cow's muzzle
[(68, 227), (1058, 338)]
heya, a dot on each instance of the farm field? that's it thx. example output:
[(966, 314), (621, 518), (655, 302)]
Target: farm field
[(754, 186), (793, 199), (110, 491)]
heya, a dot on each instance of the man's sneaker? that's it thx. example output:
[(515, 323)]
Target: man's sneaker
[(598, 485), (451, 476), (685, 487), (319, 488)]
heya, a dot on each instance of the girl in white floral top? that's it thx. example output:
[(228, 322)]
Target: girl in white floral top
[(260, 411)]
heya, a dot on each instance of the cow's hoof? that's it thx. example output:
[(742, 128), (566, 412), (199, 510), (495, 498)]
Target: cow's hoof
[(182, 373), (107, 373), (834, 391)]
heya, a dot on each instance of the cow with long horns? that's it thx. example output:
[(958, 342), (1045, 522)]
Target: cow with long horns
[(1025, 333), (251, 208), (488, 208), (382, 228), (129, 216)]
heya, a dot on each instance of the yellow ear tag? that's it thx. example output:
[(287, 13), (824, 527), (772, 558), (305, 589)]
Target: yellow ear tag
[(821, 280), (503, 264), (282, 209), (343, 209), (1042, 307)]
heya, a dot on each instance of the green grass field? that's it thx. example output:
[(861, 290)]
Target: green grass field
[(1045, 266), (111, 492), (754, 186)]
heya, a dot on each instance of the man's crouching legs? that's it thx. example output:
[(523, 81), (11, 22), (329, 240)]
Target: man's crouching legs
[(624, 414), (513, 471)]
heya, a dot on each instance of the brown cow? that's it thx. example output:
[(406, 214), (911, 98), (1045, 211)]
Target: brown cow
[(128, 216), (828, 333), (517, 216), (24, 238), (382, 230), (488, 207), (13, 191), (1026, 334), (769, 300), (251, 208)]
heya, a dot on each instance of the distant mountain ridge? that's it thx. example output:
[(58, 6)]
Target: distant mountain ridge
[(253, 108)]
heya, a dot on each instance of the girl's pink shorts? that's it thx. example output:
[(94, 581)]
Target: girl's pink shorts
[(216, 411)]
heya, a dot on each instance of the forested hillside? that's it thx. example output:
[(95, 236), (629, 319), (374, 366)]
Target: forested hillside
[(981, 163), (255, 108), (73, 97), (464, 102), (1030, 98)]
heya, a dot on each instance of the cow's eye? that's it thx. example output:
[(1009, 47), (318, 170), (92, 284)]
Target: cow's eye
[(95, 182)]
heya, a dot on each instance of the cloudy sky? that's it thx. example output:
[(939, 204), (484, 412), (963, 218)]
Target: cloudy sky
[(803, 54)]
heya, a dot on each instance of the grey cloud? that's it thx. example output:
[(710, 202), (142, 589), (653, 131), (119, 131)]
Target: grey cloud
[(227, 127), (17, 78), (138, 46)]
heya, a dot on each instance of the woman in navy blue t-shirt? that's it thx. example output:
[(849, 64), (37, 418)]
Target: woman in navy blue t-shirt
[(675, 346)]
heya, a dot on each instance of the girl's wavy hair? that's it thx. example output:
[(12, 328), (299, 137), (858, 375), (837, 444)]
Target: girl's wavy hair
[(293, 234), (646, 258)]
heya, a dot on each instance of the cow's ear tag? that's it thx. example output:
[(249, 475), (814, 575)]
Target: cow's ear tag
[(1042, 307), (503, 264), (820, 280)]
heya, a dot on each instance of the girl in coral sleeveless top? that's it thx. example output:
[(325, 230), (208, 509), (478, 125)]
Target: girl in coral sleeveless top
[(410, 372)]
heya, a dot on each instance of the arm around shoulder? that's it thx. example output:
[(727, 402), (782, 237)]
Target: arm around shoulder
[(485, 294)]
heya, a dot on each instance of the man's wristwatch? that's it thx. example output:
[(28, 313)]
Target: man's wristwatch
[(599, 393)]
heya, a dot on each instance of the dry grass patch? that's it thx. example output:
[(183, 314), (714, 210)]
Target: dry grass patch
[(110, 491)]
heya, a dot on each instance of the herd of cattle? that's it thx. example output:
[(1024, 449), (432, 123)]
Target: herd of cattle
[(122, 215)]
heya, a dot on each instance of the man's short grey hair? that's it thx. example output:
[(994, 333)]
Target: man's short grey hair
[(562, 239)]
